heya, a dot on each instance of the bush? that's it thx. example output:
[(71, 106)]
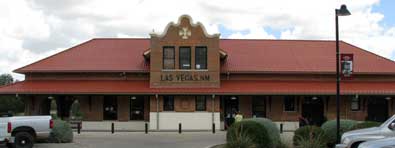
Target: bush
[(248, 133), (366, 124), (273, 131), (281, 145), (61, 132), (329, 128), (75, 112), (242, 140), (316, 142), (308, 132)]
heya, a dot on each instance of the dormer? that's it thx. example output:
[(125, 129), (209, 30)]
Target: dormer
[(184, 55)]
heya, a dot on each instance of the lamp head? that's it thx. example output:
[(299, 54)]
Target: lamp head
[(343, 11)]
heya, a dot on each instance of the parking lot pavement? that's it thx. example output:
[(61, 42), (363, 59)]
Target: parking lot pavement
[(141, 140)]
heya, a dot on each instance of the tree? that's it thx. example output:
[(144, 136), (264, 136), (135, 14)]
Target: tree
[(9, 103), (6, 79)]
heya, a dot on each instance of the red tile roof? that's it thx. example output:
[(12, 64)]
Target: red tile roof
[(264, 56), (227, 87)]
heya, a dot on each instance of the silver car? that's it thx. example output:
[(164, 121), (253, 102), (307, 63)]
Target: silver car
[(382, 143), (352, 139)]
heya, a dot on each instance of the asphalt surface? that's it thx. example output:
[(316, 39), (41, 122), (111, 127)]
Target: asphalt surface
[(141, 140)]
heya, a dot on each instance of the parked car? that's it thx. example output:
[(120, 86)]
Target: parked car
[(382, 143), (352, 139), (22, 131)]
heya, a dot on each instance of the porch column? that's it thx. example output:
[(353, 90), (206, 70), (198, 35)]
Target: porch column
[(212, 108), (157, 111)]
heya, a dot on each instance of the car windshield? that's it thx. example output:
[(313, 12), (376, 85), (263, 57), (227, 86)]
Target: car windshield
[(388, 121)]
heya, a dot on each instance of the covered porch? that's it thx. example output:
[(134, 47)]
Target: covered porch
[(134, 102)]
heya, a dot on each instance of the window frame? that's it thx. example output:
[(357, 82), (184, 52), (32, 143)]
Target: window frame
[(165, 107), (164, 58), (206, 57), (205, 103), (294, 103), (180, 66), (358, 101)]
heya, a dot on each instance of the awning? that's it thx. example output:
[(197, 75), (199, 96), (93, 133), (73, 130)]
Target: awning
[(230, 87)]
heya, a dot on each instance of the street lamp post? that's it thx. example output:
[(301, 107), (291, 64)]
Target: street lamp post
[(339, 12)]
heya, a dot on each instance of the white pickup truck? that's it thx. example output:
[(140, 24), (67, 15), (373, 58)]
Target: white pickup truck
[(23, 131)]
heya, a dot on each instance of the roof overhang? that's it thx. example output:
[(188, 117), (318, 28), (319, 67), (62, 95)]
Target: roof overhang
[(228, 87)]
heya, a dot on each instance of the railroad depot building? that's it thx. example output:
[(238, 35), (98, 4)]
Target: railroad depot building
[(187, 76)]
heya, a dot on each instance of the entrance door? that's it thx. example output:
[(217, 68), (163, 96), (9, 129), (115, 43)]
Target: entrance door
[(110, 106), (313, 110), (63, 106), (259, 106), (137, 108), (377, 109), (231, 106)]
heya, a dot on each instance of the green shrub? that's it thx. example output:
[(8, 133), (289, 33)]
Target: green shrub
[(329, 128), (308, 132), (272, 129), (308, 142), (246, 132), (281, 145), (241, 140), (61, 132), (76, 112), (365, 124)]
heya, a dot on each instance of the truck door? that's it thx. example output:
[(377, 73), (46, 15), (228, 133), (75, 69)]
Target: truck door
[(3, 128)]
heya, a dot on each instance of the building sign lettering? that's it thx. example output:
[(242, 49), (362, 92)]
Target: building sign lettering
[(184, 77)]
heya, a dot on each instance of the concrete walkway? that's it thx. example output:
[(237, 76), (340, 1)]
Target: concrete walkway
[(141, 140), (151, 140)]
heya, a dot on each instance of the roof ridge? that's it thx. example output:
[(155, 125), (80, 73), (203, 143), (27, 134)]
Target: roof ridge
[(107, 38), (46, 58), (296, 40), (280, 40)]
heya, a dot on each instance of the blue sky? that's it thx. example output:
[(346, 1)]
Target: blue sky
[(386, 7)]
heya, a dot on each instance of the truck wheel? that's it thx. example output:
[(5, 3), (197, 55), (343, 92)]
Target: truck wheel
[(10, 145), (24, 140)]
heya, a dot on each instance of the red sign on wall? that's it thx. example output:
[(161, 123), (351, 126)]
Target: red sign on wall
[(347, 67)]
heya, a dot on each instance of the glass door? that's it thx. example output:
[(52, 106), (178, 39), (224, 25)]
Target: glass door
[(137, 108), (110, 106)]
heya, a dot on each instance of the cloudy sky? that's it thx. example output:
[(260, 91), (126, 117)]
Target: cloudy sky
[(33, 29)]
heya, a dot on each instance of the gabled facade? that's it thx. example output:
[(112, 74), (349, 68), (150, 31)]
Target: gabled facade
[(187, 76)]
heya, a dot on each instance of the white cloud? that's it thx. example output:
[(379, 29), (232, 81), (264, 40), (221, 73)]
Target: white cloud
[(33, 29)]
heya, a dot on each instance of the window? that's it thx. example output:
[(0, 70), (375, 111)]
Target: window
[(185, 58), (201, 58), (200, 103), (168, 103), (168, 58), (289, 103), (355, 104)]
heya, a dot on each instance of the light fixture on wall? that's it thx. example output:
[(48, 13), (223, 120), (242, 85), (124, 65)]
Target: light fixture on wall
[(233, 98), (314, 98), (133, 98), (388, 98), (50, 97), (356, 96)]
